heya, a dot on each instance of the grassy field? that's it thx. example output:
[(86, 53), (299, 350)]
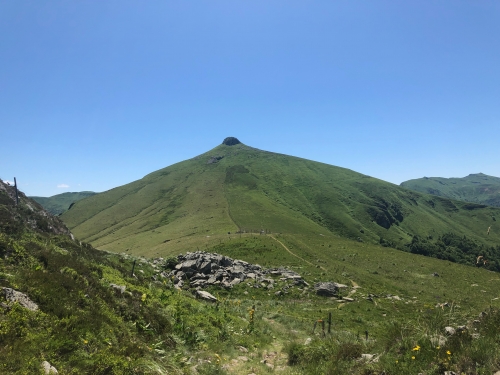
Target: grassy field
[(475, 188)]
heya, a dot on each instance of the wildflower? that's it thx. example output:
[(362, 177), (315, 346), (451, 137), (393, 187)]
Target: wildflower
[(412, 357), (85, 342), (416, 348), (397, 361), (448, 352), (438, 347)]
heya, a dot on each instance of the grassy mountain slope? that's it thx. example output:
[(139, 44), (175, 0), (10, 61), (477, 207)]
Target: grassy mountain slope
[(85, 325), (59, 203), (475, 188), (195, 203)]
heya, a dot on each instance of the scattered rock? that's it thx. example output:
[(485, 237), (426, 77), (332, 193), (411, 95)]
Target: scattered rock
[(242, 349), (12, 295), (435, 274), (308, 341), (243, 358), (204, 269)]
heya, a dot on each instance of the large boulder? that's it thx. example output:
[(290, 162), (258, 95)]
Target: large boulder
[(328, 289)]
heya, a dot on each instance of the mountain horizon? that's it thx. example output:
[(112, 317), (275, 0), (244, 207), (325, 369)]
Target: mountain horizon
[(238, 188)]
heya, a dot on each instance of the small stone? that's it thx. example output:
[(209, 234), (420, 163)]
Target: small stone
[(206, 296), (243, 358), (449, 330), (242, 349), (48, 368), (308, 341)]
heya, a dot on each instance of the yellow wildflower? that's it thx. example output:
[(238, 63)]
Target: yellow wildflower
[(85, 342), (412, 357), (416, 348), (438, 347), (448, 352)]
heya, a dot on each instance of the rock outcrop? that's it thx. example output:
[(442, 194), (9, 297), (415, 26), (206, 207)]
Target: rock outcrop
[(12, 295), (230, 141), (16, 216), (202, 269)]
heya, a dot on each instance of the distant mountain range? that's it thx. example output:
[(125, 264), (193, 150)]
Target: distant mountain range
[(59, 203), (475, 188), (237, 188)]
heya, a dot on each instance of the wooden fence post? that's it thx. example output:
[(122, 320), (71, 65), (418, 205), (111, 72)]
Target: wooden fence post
[(133, 267), (329, 322), (17, 195)]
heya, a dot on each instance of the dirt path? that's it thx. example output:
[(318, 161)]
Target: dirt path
[(295, 255)]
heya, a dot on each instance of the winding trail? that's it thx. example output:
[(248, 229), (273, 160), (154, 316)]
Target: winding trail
[(295, 255)]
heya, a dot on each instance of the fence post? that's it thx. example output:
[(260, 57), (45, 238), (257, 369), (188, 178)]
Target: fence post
[(133, 267), (329, 322), (17, 195)]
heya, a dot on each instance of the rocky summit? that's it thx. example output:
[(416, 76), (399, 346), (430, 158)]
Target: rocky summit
[(230, 141)]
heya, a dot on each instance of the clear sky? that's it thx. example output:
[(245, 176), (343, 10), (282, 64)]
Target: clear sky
[(96, 94)]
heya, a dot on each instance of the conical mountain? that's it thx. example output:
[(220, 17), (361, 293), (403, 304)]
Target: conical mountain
[(234, 187)]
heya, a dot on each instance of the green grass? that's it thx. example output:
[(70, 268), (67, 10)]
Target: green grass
[(83, 326), (475, 188), (59, 203)]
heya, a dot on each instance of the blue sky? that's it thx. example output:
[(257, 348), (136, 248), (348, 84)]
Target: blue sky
[(96, 94)]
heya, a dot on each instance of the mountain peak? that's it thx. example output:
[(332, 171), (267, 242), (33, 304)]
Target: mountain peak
[(230, 141)]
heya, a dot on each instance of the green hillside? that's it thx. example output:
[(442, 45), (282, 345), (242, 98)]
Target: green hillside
[(197, 202), (474, 188), (94, 316), (59, 203)]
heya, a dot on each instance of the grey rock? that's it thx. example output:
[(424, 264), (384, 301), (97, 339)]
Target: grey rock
[(206, 296), (449, 331), (189, 265), (48, 368), (328, 289), (118, 288), (12, 295)]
